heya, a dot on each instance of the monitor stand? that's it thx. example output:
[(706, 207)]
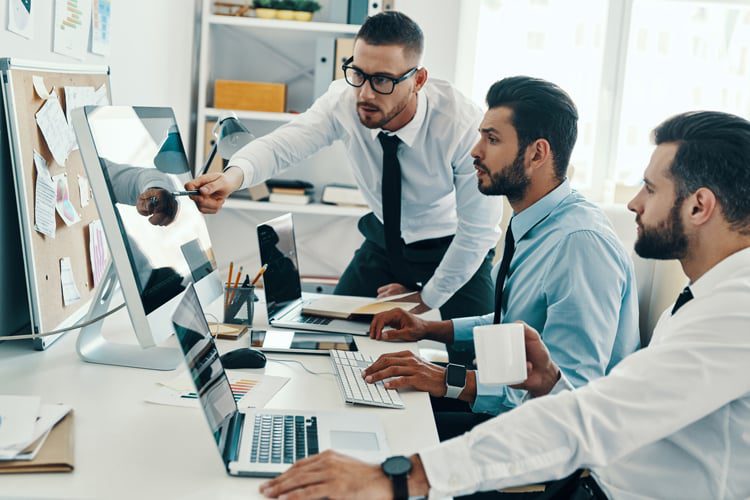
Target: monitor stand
[(94, 348)]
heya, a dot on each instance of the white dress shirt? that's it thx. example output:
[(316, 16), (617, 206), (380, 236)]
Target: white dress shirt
[(439, 186), (670, 421)]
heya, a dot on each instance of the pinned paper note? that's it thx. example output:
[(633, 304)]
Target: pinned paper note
[(97, 250), (45, 197), (100, 95), (76, 97), (72, 26), (85, 190), (65, 208), (68, 282), (59, 136), (40, 87)]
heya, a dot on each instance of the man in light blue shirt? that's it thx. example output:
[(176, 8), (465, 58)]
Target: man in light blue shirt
[(564, 271)]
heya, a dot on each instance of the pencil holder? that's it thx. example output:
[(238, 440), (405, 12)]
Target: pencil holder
[(238, 305)]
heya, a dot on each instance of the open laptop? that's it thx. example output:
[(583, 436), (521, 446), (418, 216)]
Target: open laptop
[(282, 285), (257, 442)]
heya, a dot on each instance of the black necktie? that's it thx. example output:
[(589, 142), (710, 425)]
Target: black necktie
[(685, 296), (502, 273), (391, 198)]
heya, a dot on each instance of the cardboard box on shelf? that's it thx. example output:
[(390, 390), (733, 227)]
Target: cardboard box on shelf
[(250, 96)]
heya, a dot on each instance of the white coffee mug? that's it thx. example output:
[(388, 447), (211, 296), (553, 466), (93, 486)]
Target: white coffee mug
[(501, 354)]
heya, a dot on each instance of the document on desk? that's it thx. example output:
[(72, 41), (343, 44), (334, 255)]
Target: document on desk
[(17, 417), (48, 416), (351, 307), (250, 390)]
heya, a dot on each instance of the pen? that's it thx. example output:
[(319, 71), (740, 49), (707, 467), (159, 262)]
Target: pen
[(236, 283), (260, 273), (185, 193), (229, 282)]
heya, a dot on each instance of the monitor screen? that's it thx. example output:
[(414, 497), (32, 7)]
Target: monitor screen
[(278, 250), (203, 363), (144, 165)]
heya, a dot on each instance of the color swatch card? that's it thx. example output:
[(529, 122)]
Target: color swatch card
[(98, 250), (250, 390)]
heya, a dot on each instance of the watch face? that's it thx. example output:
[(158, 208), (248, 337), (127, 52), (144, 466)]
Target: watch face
[(397, 466), (455, 376)]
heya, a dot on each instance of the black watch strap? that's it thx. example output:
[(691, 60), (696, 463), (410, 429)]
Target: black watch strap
[(397, 469)]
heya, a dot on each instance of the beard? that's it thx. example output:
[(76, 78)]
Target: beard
[(371, 121), (511, 181), (667, 240)]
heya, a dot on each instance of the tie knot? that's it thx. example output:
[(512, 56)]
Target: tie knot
[(388, 141)]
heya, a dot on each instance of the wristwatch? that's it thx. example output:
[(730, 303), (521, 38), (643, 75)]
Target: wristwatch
[(397, 469), (455, 380)]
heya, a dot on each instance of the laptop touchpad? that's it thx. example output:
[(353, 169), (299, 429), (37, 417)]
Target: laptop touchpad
[(352, 440)]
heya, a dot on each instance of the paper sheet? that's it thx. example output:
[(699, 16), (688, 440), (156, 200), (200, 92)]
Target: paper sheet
[(250, 390), (64, 206), (49, 415), (85, 190), (76, 97), (100, 95), (100, 27), (59, 136), (17, 418), (44, 198), (70, 291), (40, 87), (72, 25), (21, 17), (97, 250)]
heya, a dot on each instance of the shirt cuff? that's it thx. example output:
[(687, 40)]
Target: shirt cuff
[(431, 297), (449, 468), (247, 171), (563, 384), (463, 329)]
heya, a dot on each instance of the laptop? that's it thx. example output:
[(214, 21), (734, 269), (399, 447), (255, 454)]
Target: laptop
[(282, 285), (258, 442)]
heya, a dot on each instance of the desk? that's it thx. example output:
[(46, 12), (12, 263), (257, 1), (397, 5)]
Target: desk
[(127, 448)]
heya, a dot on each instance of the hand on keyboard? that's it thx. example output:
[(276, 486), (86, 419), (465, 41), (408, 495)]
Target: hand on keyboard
[(407, 370), (348, 367)]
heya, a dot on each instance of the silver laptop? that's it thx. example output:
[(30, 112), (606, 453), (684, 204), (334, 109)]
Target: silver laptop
[(257, 442), (282, 285)]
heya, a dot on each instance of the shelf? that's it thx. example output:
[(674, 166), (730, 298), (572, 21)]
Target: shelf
[(312, 208), (252, 115), (311, 26)]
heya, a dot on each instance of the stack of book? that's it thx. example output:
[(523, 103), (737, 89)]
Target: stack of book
[(294, 192), (343, 194)]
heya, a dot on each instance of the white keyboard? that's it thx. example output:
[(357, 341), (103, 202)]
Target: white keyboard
[(348, 367)]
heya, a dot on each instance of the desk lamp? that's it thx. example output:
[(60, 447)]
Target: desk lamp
[(230, 135)]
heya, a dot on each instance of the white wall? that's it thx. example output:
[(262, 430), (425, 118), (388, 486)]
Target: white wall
[(151, 52)]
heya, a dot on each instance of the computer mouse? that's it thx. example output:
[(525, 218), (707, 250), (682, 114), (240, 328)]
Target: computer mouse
[(243, 358)]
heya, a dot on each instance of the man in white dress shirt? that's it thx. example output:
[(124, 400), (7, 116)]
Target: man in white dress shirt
[(671, 420), (409, 141)]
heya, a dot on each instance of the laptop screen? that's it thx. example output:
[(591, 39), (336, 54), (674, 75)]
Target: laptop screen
[(278, 250), (202, 359)]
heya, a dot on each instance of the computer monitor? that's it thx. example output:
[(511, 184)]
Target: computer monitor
[(158, 240)]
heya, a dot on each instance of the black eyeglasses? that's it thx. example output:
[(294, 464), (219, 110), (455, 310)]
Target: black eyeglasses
[(381, 84)]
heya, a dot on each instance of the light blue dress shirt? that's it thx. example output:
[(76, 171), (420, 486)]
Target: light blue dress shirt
[(573, 281)]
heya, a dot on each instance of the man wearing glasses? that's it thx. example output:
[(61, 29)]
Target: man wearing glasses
[(409, 143)]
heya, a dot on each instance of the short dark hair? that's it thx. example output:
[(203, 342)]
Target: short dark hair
[(541, 110), (713, 152), (393, 28)]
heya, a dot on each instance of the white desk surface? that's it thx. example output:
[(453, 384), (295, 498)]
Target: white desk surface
[(127, 448)]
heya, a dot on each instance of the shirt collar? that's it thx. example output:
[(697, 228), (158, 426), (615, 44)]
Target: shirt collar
[(721, 272), (523, 221), (408, 133)]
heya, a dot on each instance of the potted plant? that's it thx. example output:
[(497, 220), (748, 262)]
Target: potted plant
[(306, 9), (265, 9), (285, 9)]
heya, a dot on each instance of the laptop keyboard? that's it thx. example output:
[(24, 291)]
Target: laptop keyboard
[(348, 367), (283, 439), (312, 320)]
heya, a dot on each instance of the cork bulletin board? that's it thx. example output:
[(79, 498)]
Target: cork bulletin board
[(42, 253)]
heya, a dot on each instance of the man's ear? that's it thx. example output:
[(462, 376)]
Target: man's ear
[(538, 153), (701, 206), (420, 78)]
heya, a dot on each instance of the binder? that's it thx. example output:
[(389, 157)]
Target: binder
[(56, 454), (324, 66)]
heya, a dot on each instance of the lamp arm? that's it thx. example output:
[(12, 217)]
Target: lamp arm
[(210, 158)]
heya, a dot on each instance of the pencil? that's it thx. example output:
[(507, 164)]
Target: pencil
[(236, 284), (229, 283), (260, 273)]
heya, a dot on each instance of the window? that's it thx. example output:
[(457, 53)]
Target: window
[(627, 64)]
